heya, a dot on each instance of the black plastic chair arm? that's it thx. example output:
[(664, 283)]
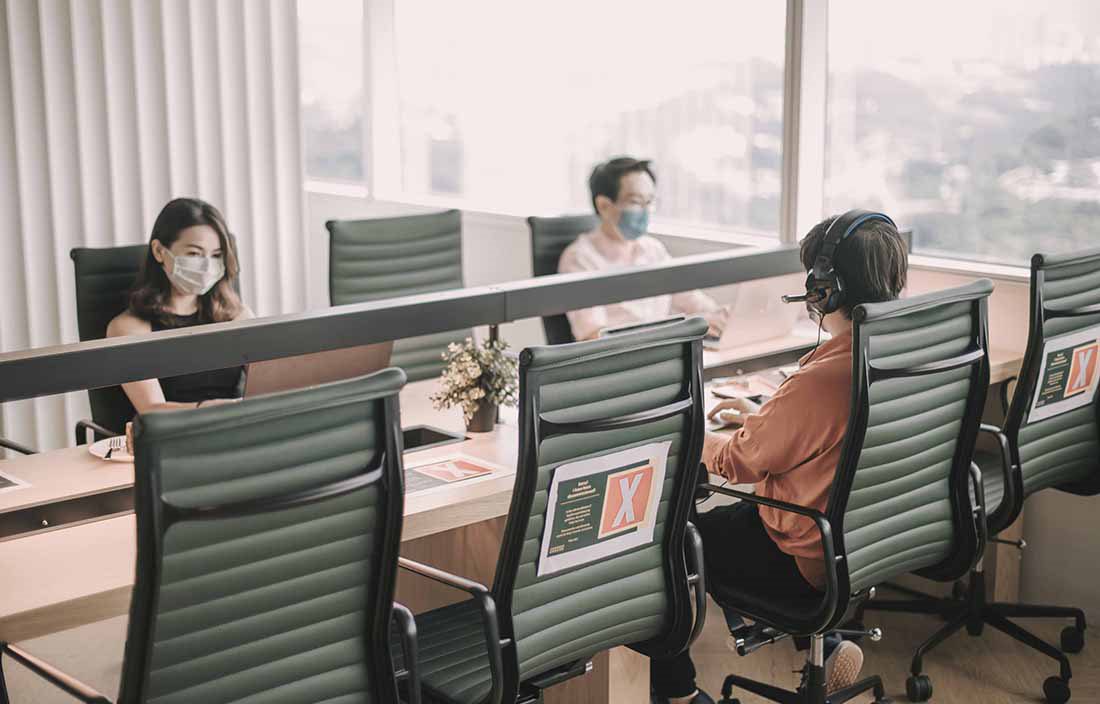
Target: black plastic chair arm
[(69, 685), (407, 625), (979, 510), (693, 548), (16, 447), (823, 527), (1004, 394), (98, 431), (1009, 497), (488, 608)]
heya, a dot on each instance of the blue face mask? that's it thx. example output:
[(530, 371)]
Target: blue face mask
[(634, 222)]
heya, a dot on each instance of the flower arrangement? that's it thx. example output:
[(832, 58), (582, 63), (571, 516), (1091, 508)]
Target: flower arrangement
[(476, 375)]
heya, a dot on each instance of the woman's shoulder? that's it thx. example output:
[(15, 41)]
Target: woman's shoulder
[(128, 323)]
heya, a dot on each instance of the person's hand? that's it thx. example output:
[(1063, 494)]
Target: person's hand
[(217, 402), (733, 410), (716, 319)]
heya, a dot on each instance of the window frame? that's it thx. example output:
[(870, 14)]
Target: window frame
[(802, 172)]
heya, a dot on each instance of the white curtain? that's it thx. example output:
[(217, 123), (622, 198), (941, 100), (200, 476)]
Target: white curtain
[(108, 109)]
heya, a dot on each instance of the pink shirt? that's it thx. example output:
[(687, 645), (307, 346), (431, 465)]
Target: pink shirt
[(596, 251)]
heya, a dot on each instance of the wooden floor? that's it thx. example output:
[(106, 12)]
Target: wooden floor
[(992, 669)]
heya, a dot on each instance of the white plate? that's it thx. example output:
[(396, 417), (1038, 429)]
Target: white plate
[(99, 449)]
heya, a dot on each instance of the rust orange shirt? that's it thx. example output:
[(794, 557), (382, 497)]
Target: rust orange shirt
[(790, 449)]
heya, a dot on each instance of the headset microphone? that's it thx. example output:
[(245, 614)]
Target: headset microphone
[(824, 285)]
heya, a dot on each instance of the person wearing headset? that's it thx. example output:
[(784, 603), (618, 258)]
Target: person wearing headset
[(188, 278), (789, 447), (623, 194)]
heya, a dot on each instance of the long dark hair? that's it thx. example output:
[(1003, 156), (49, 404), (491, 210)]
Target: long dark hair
[(152, 291)]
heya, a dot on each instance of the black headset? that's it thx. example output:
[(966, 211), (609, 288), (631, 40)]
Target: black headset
[(824, 286)]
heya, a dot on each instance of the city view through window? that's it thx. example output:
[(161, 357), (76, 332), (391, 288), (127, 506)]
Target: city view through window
[(978, 125)]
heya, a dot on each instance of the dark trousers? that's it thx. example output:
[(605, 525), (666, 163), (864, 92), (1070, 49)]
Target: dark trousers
[(738, 552)]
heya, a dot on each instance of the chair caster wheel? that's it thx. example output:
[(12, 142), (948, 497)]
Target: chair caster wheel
[(975, 629), (1073, 640), (918, 688), (1056, 690)]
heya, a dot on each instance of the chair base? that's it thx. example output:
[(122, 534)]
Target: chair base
[(973, 612), (811, 692)]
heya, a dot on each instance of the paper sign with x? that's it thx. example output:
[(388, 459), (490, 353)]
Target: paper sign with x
[(626, 500), (1082, 370)]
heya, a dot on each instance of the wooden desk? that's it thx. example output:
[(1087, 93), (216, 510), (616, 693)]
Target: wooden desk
[(1004, 364), (41, 594), (757, 356)]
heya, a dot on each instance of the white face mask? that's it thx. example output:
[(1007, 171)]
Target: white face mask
[(194, 275)]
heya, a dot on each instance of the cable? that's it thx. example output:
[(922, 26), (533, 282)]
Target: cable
[(820, 325), (710, 495)]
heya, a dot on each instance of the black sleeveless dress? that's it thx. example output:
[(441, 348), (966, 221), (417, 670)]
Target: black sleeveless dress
[(200, 386)]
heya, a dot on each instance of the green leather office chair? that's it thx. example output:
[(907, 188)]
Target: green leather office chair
[(268, 534), (1061, 452), (900, 500), (549, 238), (103, 280), (581, 401), (399, 256)]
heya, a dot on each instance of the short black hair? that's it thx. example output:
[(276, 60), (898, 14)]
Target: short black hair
[(873, 261), (607, 177)]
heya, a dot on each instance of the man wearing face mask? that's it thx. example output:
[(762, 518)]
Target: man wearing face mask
[(623, 192)]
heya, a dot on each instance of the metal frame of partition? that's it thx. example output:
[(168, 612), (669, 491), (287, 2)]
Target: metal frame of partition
[(79, 366)]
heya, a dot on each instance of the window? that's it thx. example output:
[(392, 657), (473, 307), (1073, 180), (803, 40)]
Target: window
[(330, 36), (976, 124), (508, 105)]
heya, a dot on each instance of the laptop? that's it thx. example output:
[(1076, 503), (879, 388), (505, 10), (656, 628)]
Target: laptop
[(758, 313), (315, 368)]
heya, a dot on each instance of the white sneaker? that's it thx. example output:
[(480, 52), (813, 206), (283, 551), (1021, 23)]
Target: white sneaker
[(843, 666)]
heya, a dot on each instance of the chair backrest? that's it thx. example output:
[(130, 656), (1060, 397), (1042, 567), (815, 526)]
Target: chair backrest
[(103, 280), (579, 402), (399, 256), (549, 238), (901, 499), (1063, 450), (104, 276), (268, 534)]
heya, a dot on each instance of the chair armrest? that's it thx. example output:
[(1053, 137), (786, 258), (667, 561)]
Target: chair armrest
[(1004, 394), (488, 608), (1009, 498), (16, 447), (823, 527), (407, 625), (696, 579), (979, 510), (69, 685), (98, 432)]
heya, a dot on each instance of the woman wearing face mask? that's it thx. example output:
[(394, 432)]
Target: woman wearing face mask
[(187, 279)]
